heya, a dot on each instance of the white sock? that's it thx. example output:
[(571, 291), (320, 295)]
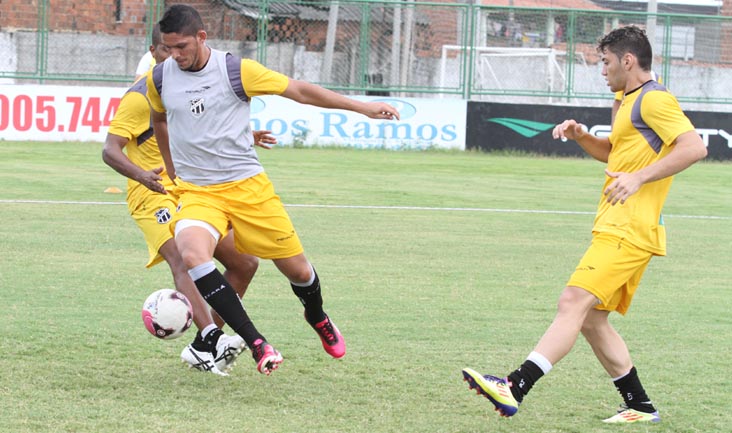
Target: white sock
[(207, 330), (201, 270), (541, 361)]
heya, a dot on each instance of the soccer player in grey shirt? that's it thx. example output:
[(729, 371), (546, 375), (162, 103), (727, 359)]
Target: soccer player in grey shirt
[(200, 103)]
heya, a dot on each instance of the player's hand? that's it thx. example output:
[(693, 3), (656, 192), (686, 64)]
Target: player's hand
[(263, 139), (152, 180), (381, 110), (569, 129), (624, 185)]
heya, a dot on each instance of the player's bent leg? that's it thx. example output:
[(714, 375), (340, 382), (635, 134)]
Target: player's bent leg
[(184, 284), (297, 268), (196, 241), (572, 309), (201, 355), (240, 269), (495, 389), (306, 286), (608, 346)]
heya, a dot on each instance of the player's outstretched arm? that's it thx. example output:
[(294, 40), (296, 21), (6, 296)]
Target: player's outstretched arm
[(113, 156), (598, 148), (308, 93)]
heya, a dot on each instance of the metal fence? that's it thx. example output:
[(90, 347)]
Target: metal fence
[(401, 48)]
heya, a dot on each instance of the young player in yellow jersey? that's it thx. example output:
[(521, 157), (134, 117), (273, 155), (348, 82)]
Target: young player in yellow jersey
[(131, 129), (651, 140)]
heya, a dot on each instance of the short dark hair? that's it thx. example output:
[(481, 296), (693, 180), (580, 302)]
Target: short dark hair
[(155, 37), (181, 19), (630, 39)]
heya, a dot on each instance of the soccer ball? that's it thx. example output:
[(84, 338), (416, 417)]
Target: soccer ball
[(167, 314)]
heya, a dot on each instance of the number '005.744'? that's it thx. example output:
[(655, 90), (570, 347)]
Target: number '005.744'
[(23, 112)]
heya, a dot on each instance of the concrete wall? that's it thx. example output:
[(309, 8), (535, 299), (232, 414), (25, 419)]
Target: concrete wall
[(117, 56)]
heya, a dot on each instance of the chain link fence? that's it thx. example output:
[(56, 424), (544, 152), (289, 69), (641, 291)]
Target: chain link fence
[(397, 48)]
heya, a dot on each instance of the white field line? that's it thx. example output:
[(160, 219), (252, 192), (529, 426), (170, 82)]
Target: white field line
[(415, 208)]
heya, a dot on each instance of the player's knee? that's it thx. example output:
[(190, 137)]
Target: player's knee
[(249, 265), (241, 272), (589, 328), (575, 300), (192, 258), (301, 274)]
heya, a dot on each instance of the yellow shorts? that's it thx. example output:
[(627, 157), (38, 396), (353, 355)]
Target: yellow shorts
[(250, 207), (611, 269), (153, 213)]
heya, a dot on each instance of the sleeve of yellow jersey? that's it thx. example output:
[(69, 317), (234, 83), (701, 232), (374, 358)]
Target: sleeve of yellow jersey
[(661, 112), (258, 80), (152, 93), (132, 117)]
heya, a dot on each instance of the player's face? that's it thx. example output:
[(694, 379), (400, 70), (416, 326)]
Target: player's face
[(186, 50), (612, 71), (160, 53)]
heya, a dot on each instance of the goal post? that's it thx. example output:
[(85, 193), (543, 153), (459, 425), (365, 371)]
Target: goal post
[(498, 70)]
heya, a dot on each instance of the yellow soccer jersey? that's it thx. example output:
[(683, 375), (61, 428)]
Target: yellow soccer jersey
[(132, 121), (647, 124), (256, 80)]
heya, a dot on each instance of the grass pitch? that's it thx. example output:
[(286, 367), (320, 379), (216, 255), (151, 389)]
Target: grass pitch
[(430, 262)]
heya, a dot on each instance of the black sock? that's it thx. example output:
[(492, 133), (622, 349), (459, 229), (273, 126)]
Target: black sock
[(198, 343), (630, 388), (223, 299), (524, 378), (311, 299), (207, 343)]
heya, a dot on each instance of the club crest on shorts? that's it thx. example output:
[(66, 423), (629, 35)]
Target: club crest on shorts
[(163, 215), (197, 107)]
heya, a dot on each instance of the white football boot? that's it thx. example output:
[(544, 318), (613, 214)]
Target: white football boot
[(228, 348), (202, 361)]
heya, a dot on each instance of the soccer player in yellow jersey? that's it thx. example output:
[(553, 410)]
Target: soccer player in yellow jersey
[(651, 140), (152, 210)]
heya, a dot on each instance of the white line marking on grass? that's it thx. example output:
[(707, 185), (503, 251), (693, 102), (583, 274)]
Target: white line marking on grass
[(421, 208), (65, 202), (453, 209)]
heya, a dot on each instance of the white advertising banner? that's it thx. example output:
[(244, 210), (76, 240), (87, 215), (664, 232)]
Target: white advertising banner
[(68, 113), (57, 113), (424, 123)]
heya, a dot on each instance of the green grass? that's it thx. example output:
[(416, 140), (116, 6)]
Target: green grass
[(427, 274)]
